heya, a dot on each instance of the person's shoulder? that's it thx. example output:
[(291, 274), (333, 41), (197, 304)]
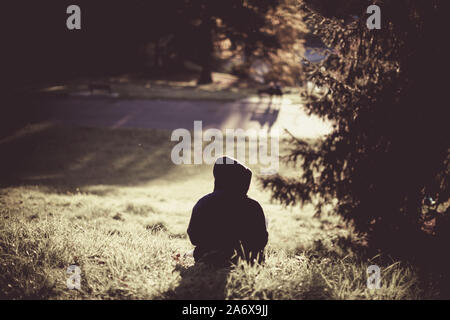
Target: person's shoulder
[(254, 204), (204, 200)]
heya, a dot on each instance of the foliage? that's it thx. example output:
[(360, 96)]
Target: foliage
[(385, 94), (268, 30), (286, 23)]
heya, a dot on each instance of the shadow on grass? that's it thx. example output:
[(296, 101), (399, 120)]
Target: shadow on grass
[(200, 282), (66, 158)]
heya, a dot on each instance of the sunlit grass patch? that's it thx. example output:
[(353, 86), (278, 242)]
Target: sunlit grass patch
[(141, 257), (125, 227)]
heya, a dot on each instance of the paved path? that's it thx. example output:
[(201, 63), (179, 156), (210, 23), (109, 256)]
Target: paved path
[(252, 113)]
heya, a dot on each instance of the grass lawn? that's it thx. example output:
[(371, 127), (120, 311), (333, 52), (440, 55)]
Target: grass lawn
[(112, 202)]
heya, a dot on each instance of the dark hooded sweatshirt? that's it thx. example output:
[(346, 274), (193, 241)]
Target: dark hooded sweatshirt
[(226, 221)]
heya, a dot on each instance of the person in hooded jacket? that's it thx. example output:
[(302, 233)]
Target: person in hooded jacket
[(226, 224)]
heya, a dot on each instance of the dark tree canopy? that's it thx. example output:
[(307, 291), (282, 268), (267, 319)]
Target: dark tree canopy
[(122, 36), (270, 30), (386, 96)]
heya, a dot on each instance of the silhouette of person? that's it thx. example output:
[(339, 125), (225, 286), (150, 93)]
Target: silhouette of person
[(226, 224)]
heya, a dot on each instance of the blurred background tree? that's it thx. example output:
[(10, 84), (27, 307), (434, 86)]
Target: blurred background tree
[(238, 22), (157, 37), (208, 32), (286, 24), (386, 164)]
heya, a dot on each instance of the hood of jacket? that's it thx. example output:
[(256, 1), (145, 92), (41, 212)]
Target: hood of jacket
[(231, 177)]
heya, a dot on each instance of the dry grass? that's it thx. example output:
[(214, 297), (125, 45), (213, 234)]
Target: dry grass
[(111, 202)]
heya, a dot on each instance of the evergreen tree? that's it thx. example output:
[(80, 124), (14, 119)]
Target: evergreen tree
[(386, 97)]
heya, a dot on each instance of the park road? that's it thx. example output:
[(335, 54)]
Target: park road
[(252, 113)]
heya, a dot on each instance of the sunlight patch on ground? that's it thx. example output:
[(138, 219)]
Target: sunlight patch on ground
[(126, 229), (279, 114)]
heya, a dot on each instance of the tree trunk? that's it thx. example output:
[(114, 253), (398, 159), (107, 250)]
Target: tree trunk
[(206, 50), (205, 75), (157, 55)]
